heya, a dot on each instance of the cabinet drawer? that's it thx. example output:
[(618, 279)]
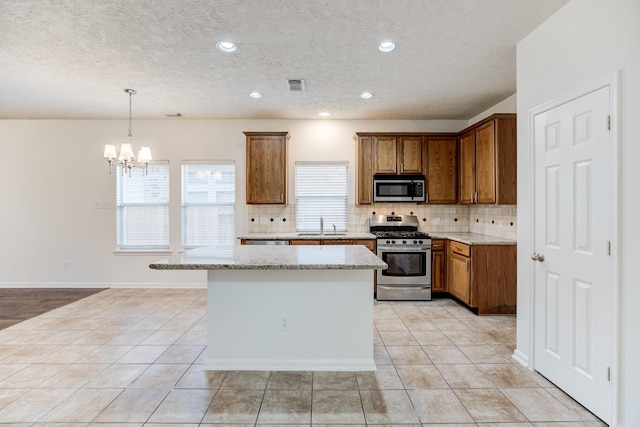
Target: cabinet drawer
[(460, 248), (437, 245)]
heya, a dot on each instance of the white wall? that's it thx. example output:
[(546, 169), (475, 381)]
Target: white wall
[(507, 105), (585, 41), (55, 174)]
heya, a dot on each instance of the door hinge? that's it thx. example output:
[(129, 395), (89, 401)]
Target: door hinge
[(609, 373), (608, 122), (609, 247)]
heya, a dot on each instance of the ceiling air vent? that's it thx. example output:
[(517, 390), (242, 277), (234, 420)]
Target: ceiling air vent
[(296, 85)]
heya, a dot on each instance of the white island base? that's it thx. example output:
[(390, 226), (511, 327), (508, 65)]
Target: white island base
[(290, 320)]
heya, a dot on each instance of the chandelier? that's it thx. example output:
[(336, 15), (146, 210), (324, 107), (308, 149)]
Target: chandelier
[(127, 159)]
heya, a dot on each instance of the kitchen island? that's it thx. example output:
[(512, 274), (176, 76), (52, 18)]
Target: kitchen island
[(281, 308)]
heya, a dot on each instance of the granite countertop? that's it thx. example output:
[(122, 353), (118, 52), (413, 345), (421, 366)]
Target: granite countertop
[(297, 236), (285, 257), (473, 238)]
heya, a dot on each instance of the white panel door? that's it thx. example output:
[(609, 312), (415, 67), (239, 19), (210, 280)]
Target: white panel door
[(573, 317)]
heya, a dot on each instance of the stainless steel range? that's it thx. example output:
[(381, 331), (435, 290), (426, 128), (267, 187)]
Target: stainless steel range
[(407, 251)]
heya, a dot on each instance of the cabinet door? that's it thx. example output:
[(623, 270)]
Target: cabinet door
[(364, 170), (384, 154), (409, 155), (266, 168), (467, 168), (438, 266), (338, 242), (370, 244), (441, 170), (304, 242), (459, 280), (486, 163)]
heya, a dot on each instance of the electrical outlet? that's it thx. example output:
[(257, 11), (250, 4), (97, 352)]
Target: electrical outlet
[(65, 265), (437, 221), (264, 220), (285, 324)]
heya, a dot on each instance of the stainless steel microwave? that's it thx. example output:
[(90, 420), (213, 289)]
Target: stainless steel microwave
[(398, 188)]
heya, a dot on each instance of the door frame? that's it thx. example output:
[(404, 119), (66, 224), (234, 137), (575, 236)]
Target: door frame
[(612, 81)]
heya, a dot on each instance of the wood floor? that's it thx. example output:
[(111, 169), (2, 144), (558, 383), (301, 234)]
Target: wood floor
[(19, 304)]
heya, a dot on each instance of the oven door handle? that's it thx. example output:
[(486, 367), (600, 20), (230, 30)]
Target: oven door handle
[(402, 249)]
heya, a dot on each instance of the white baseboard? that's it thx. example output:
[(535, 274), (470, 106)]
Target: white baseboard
[(290, 365), (122, 285), (521, 358)]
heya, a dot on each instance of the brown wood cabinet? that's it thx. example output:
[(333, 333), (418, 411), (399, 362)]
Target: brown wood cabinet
[(364, 170), (440, 160), (397, 154), (483, 276), (488, 161), (266, 168), (438, 266)]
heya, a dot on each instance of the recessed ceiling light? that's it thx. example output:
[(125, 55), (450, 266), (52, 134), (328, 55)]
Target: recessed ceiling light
[(366, 95), (255, 95), (324, 114), (226, 46), (386, 46)]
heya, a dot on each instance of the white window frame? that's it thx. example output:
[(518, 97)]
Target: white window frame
[(227, 227), (162, 200), (334, 209)]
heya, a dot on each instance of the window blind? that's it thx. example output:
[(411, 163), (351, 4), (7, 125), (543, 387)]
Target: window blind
[(142, 208), (208, 203), (322, 190)]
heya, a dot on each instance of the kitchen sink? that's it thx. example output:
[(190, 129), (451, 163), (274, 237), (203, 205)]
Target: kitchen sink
[(325, 234)]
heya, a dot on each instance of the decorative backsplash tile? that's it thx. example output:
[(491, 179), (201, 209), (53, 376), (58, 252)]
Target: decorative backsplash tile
[(499, 221)]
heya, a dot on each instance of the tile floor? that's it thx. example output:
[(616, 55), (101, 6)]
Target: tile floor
[(134, 357)]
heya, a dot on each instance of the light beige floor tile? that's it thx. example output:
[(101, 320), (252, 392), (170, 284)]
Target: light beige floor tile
[(436, 313), (539, 405), (9, 369), (439, 406), (120, 375), (570, 424), (31, 406), (574, 406), (163, 337), (160, 376), (181, 354), (508, 375), (431, 338), (489, 405), (464, 376), (385, 378), (132, 405), (143, 354), (421, 377), (193, 337), (334, 381), (509, 425), (8, 350), (337, 406), (75, 375), (245, 380), (149, 324), (397, 338), (445, 354), (33, 376), (483, 353), (419, 324), (82, 406), (129, 338), (387, 407), (381, 356), (450, 325), (107, 354), (408, 355), (179, 324), (390, 324), (285, 406), (70, 354), (290, 381), (197, 377), (234, 406), (10, 395), (32, 353), (98, 337), (65, 337), (183, 406), (464, 337)]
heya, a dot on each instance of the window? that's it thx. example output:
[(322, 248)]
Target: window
[(322, 190), (208, 203), (142, 208)]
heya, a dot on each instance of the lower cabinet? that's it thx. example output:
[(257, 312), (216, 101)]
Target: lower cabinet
[(438, 265), (483, 276)]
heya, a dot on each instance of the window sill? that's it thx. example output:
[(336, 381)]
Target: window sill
[(142, 252)]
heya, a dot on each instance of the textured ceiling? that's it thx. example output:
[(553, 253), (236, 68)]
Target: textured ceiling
[(73, 58)]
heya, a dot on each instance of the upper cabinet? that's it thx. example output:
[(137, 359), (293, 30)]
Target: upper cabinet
[(397, 154), (488, 161), (364, 169), (266, 167), (440, 160)]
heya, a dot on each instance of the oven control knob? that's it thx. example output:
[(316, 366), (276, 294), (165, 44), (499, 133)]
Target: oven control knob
[(388, 242), (393, 241), (415, 241), (404, 241), (420, 242)]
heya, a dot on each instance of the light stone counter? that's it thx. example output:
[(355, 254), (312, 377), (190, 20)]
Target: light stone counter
[(473, 238), (297, 236), (333, 257)]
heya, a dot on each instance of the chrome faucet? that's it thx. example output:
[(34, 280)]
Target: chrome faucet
[(334, 228), (321, 225)]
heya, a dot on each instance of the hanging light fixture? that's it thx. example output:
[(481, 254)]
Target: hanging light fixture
[(126, 159)]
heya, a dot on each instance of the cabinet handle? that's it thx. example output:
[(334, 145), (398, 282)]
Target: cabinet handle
[(426, 198), (281, 197), (401, 167), (467, 264)]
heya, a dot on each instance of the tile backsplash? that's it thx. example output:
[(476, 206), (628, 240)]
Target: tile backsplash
[(499, 221)]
